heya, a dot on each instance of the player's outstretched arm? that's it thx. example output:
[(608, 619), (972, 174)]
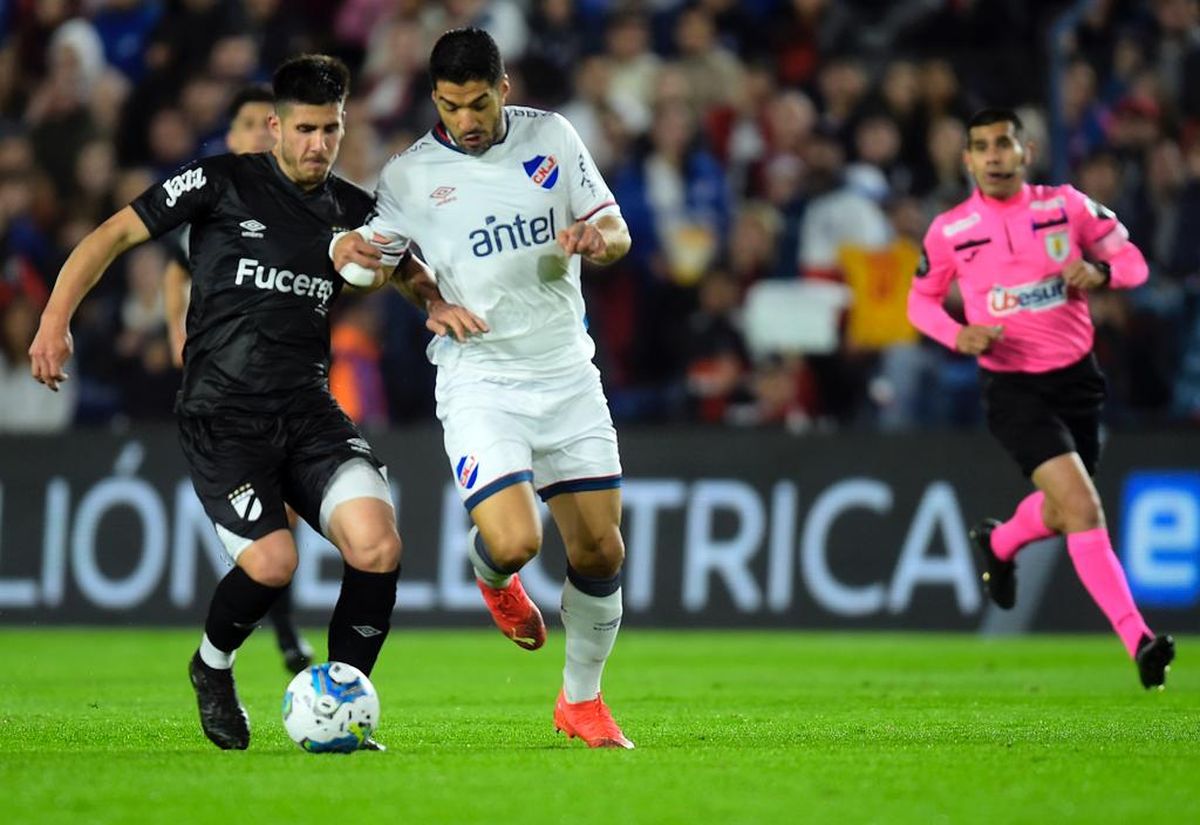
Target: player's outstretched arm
[(414, 280), (52, 345), (176, 283), (604, 241)]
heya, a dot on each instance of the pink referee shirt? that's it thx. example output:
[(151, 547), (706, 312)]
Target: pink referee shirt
[(1008, 256)]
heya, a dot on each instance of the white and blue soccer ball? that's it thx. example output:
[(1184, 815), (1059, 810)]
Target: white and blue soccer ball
[(330, 708)]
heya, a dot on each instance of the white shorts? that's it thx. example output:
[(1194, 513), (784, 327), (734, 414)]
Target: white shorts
[(554, 433)]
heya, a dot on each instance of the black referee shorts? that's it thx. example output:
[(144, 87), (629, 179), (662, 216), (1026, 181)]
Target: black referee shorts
[(1039, 416), (245, 467)]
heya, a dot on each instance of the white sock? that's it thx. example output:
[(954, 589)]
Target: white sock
[(213, 656), (591, 624), (488, 574)]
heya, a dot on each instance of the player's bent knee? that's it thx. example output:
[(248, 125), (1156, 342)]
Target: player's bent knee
[(1081, 511), (270, 569), (602, 557), (514, 553), (380, 555)]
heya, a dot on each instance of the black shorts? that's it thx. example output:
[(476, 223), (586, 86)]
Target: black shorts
[(1038, 416), (245, 467)]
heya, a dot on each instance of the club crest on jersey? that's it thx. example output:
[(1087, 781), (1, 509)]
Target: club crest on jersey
[(1058, 246), (245, 503), (542, 170), (467, 471), (1032, 297)]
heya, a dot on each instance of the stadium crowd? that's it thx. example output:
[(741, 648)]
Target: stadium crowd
[(777, 161)]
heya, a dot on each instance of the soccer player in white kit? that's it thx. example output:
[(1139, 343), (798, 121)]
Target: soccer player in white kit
[(503, 201)]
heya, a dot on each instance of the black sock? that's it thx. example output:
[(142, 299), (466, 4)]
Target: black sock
[(281, 618), (362, 617), (238, 605)]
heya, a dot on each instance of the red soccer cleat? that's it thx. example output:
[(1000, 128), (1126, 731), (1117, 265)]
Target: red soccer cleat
[(515, 613), (591, 721)]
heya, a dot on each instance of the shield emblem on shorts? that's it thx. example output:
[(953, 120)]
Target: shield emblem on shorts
[(246, 503), (467, 471), (1058, 246)]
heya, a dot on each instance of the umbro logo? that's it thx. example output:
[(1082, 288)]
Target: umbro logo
[(246, 503), (252, 228), (366, 631), (442, 195)]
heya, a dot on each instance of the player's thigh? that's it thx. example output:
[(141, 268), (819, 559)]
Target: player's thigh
[(510, 523), (236, 466), (329, 463), (487, 436), (575, 448), (363, 525), (590, 525)]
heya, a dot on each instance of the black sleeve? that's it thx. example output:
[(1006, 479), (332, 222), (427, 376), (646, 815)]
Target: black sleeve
[(188, 195)]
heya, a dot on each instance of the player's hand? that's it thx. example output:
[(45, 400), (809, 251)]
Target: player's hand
[(1083, 275), (976, 339), (352, 248), (451, 319), (48, 353), (582, 238)]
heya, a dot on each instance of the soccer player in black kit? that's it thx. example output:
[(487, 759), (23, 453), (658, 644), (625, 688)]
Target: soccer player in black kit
[(257, 423)]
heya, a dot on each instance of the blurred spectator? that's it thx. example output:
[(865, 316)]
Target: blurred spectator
[(713, 73), (125, 27), (554, 51), (143, 372), (355, 376), (717, 359), (837, 213), (634, 65)]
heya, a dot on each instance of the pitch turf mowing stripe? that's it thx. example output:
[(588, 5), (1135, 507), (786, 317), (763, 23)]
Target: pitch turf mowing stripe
[(98, 726)]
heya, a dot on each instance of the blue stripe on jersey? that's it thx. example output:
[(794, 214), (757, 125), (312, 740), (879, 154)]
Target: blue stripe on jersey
[(491, 488), (580, 485)]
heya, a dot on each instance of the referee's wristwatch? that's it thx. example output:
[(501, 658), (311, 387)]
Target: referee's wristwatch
[(1105, 269)]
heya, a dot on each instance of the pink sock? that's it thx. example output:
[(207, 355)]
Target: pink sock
[(1101, 573), (1026, 525)]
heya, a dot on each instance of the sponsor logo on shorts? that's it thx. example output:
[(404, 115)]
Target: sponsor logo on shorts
[(467, 471), (1034, 297), (246, 503)]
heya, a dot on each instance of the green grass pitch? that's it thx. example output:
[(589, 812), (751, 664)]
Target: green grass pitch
[(99, 726)]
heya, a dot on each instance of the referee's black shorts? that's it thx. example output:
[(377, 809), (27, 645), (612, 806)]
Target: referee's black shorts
[(1039, 416)]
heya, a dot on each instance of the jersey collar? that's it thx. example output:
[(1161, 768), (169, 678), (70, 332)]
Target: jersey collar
[(442, 136), (316, 191), (1017, 201)]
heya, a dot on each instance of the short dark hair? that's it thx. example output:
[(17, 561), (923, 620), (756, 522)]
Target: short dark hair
[(313, 79), (257, 93), (986, 117), (463, 55)]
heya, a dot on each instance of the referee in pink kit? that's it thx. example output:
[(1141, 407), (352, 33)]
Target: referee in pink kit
[(1025, 257)]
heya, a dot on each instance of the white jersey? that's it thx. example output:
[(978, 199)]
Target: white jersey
[(487, 225)]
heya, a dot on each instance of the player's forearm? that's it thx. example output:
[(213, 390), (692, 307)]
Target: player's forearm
[(617, 241), (88, 262), (1127, 267), (927, 314), (414, 280)]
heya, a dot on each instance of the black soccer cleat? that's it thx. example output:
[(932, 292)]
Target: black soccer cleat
[(1154, 657), (297, 658), (222, 716), (999, 577)]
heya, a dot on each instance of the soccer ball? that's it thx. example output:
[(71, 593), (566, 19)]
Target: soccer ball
[(330, 708)]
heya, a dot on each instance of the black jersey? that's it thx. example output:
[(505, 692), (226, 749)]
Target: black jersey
[(262, 282)]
